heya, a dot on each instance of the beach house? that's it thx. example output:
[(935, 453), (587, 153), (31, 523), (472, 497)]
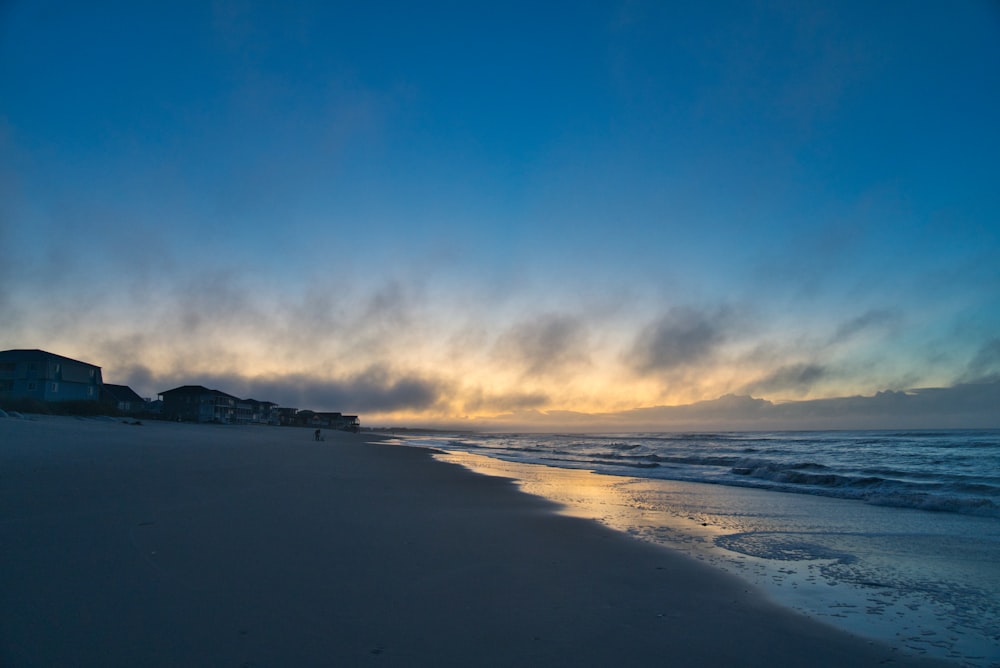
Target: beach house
[(341, 421), (330, 420), (195, 403), (122, 397), (283, 416), (44, 376), (259, 412)]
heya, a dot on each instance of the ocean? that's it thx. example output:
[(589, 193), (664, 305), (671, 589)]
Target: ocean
[(894, 535)]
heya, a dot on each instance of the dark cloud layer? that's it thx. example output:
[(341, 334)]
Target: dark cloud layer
[(477, 401), (965, 406), (375, 390)]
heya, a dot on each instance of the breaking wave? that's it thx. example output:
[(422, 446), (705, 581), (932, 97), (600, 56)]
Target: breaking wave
[(943, 471)]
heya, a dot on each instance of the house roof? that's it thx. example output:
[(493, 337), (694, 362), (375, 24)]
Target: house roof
[(254, 402), (195, 389), (187, 389), (36, 355), (119, 392)]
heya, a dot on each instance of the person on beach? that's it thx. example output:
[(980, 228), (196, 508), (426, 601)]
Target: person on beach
[(318, 435)]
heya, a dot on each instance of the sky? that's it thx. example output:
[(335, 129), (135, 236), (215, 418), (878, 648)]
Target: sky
[(516, 216)]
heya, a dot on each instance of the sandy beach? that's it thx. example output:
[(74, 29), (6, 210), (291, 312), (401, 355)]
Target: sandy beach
[(192, 545)]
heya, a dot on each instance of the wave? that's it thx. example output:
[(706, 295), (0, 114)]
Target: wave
[(969, 498), (586, 463), (624, 446), (968, 505), (801, 474), (933, 470)]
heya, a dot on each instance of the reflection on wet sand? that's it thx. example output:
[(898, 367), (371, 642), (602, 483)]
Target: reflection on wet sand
[(926, 582)]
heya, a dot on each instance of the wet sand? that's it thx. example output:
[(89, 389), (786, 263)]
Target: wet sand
[(925, 583), (172, 544)]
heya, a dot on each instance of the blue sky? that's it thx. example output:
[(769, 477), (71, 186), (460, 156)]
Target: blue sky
[(493, 216)]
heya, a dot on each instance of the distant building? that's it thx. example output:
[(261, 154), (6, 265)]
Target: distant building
[(285, 416), (340, 421), (244, 412), (261, 412), (44, 376), (350, 423), (304, 418), (122, 397), (328, 420), (195, 403)]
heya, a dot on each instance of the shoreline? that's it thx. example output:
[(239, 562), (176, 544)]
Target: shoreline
[(168, 544), (876, 572)]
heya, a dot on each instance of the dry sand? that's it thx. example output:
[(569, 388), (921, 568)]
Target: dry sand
[(185, 545)]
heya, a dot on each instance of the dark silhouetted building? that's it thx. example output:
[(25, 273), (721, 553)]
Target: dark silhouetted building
[(44, 376), (122, 397), (194, 403)]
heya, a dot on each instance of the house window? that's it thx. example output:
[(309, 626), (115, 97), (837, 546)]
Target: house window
[(55, 387), (90, 391), (57, 367), (31, 387)]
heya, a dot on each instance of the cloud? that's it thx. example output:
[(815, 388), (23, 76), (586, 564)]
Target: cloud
[(985, 366), (136, 376), (965, 406), (546, 345), (798, 378), (969, 405), (727, 407), (873, 319), (816, 360), (6, 269), (480, 401), (377, 389), (680, 338), (12, 264)]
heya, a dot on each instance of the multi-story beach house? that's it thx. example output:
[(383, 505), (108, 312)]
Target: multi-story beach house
[(283, 416), (196, 403), (260, 412), (44, 376), (341, 421)]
